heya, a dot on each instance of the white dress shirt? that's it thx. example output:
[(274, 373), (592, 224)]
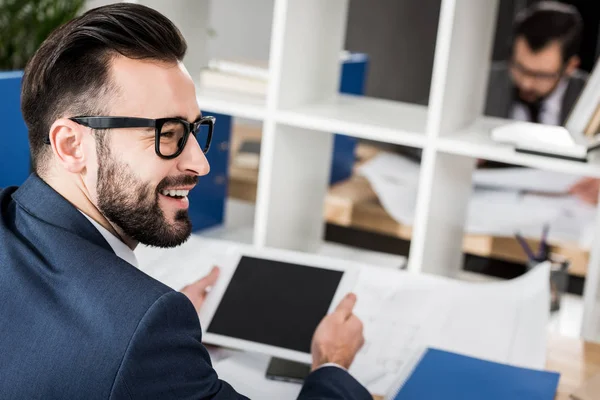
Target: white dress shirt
[(550, 110), (123, 251)]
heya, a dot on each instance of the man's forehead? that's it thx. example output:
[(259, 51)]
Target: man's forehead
[(550, 55), (152, 89)]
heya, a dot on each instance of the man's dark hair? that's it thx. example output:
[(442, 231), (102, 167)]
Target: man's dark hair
[(69, 73), (548, 21)]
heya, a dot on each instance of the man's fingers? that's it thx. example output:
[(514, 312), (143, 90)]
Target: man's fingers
[(589, 198), (346, 305), (201, 285), (583, 184), (578, 186), (208, 280)]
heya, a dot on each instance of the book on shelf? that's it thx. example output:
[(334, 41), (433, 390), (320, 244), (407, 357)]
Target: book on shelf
[(248, 76), (242, 76), (218, 80), (256, 69), (585, 109), (593, 127)]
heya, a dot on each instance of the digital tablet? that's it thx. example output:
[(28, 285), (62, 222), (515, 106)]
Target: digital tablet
[(271, 301)]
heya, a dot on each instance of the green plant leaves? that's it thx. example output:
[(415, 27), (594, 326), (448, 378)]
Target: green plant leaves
[(25, 24)]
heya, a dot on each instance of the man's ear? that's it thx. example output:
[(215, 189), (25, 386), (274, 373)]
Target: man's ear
[(66, 138), (572, 65)]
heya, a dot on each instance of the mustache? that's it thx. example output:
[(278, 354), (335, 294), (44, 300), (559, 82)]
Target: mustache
[(182, 180)]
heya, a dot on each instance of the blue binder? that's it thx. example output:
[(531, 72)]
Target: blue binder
[(207, 199), (352, 81), (14, 151), (445, 375)]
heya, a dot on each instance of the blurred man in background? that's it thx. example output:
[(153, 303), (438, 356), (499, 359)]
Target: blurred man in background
[(541, 82)]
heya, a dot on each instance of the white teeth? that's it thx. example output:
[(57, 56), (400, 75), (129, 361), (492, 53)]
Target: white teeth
[(173, 193)]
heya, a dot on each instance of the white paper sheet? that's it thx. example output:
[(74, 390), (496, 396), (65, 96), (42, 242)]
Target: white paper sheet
[(180, 266), (403, 313), (392, 168), (504, 213), (492, 211), (399, 200), (521, 179)]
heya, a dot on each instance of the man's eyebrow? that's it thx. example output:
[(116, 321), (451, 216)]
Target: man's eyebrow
[(184, 118)]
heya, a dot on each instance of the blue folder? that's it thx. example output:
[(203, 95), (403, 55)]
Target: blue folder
[(444, 375)]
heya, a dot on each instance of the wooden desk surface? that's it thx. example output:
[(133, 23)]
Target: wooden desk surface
[(576, 360)]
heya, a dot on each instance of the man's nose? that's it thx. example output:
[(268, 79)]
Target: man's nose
[(192, 159)]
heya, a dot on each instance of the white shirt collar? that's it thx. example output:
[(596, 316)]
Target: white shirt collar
[(553, 103), (121, 249)]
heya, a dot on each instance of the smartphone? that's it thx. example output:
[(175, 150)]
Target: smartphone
[(287, 371)]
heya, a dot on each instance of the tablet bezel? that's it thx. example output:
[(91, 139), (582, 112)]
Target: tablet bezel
[(231, 261)]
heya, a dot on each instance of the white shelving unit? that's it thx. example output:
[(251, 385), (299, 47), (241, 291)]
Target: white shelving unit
[(231, 103), (302, 109), (363, 117)]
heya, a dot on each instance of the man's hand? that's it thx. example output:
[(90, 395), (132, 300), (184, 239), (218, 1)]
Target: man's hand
[(587, 189), (198, 290), (338, 337)]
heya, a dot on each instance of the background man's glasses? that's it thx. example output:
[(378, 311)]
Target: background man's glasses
[(171, 134), (524, 71)]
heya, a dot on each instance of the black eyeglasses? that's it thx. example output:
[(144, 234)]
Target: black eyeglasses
[(171, 134), (538, 75)]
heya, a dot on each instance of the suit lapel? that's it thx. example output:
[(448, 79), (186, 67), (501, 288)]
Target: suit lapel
[(506, 97), (37, 198), (569, 99)]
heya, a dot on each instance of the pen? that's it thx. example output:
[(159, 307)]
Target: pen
[(525, 247), (543, 254)]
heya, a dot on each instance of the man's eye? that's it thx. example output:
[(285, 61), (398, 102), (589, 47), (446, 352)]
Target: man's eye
[(167, 135)]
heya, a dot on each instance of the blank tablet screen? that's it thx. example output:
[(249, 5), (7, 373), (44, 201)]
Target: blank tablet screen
[(275, 303)]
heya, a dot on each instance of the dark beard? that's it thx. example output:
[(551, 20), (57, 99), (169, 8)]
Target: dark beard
[(536, 103), (540, 98), (133, 206)]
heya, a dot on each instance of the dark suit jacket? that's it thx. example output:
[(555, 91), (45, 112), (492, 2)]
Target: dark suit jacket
[(77, 322), (499, 93)]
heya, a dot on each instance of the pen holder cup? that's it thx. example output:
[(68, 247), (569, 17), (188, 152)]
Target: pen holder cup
[(559, 279)]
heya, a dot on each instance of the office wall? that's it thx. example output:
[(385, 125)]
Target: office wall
[(399, 36), (507, 11), (242, 29), (89, 4)]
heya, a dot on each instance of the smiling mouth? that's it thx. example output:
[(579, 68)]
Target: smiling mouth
[(176, 194)]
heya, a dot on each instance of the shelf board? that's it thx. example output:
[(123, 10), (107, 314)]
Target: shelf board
[(363, 117), (475, 141), (232, 103)]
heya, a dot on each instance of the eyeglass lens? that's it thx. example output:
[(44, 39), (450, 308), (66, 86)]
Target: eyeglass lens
[(172, 137)]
